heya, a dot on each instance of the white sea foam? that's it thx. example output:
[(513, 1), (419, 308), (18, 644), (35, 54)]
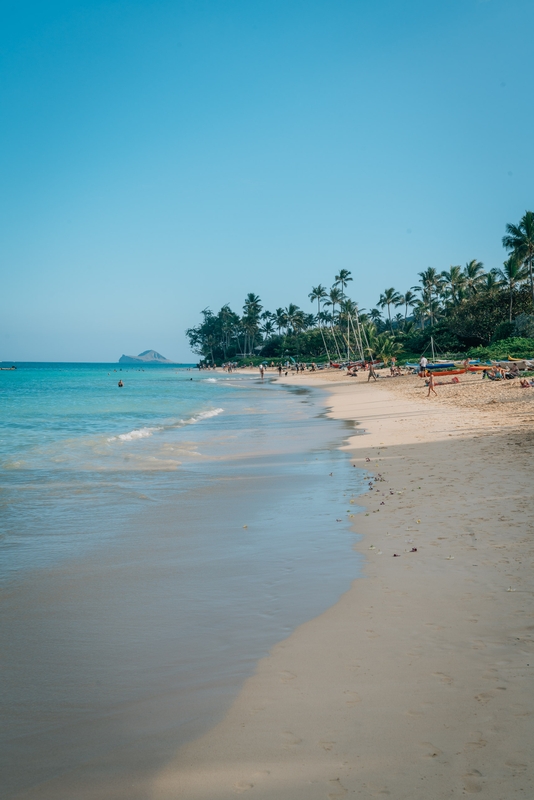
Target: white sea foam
[(211, 380), (214, 412), (140, 433)]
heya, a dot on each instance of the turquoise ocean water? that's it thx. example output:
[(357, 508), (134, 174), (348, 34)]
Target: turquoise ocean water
[(155, 541)]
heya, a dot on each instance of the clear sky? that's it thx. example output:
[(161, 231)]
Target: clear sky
[(160, 157)]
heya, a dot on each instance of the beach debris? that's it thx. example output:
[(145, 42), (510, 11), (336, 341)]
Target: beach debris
[(511, 590), (371, 547), (418, 521), (449, 558), (367, 459), (379, 553), (339, 520), (382, 503), (396, 555), (245, 526), (413, 550)]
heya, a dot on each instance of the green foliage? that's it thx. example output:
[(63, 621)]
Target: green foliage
[(515, 347), (503, 331), (458, 308), (524, 325)]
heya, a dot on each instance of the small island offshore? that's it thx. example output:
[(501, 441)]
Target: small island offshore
[(146, 357)]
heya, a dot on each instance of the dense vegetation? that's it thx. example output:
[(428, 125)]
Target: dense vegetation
[(465, 310)]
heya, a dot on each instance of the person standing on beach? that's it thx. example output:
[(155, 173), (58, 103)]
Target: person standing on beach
[(431, 385), (372, 373), (279, 370), (422, 366), (261, 371)]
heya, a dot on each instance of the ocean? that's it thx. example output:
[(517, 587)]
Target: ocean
[(155, 541)]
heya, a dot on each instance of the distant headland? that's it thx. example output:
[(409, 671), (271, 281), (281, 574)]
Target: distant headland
[(147, 357)]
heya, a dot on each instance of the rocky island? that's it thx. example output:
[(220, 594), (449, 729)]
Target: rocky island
[(147, 357)]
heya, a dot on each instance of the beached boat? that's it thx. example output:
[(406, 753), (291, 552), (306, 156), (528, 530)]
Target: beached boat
[(441, 373)]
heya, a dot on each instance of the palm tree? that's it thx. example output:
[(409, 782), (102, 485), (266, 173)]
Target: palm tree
[(513, 273), (421, 311), (520, 240), (375, 316), (280, 320), (342, 279), (268, 328), (251, 317), (389, 298), (319, 293), (407, 299), (397, 319), (431, 282), (474, 275), (491, 282), (335, 297), (293, 313), (454, 281)]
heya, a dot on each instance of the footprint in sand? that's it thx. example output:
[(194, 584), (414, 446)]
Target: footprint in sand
[(443, 678), (431, 751), (337, 789), (516, 766), (484, 697), (472, 783), (243, 786), (352, 698), (477, 744), (376, 791), (290, 739), (286, 677), (327, 745)]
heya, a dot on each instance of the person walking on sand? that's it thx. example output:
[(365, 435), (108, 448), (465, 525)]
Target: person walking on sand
[(431, 385), (279, 370), (372, 373), (422, 366), (261, 371)]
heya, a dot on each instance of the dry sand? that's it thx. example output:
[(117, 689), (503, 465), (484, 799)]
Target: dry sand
[(417, 683)]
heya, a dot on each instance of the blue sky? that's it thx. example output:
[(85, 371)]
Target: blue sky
[(160, 157)]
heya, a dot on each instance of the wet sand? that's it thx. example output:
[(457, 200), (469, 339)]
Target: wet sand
[(417, 683)]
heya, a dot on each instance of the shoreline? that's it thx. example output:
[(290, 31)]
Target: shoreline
[(415, 684)]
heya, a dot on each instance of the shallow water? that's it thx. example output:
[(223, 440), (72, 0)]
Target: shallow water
[(157, 541)]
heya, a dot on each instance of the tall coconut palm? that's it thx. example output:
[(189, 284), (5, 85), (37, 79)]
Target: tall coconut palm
[(268, 328), (387, 299), (319, 293), (491, 282), (407, 300), (292, 316), (342, 278), (431, 283), (455, 281), (474, 276), (251, 316), (280, 320), (519, 239), (375, 316), (513, 273), (421, 311), (334, 298)]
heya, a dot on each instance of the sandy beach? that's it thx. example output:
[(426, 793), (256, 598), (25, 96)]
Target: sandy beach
[(416, 684)]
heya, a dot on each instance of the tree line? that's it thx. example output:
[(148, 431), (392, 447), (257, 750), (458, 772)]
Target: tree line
[(461, 307)]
